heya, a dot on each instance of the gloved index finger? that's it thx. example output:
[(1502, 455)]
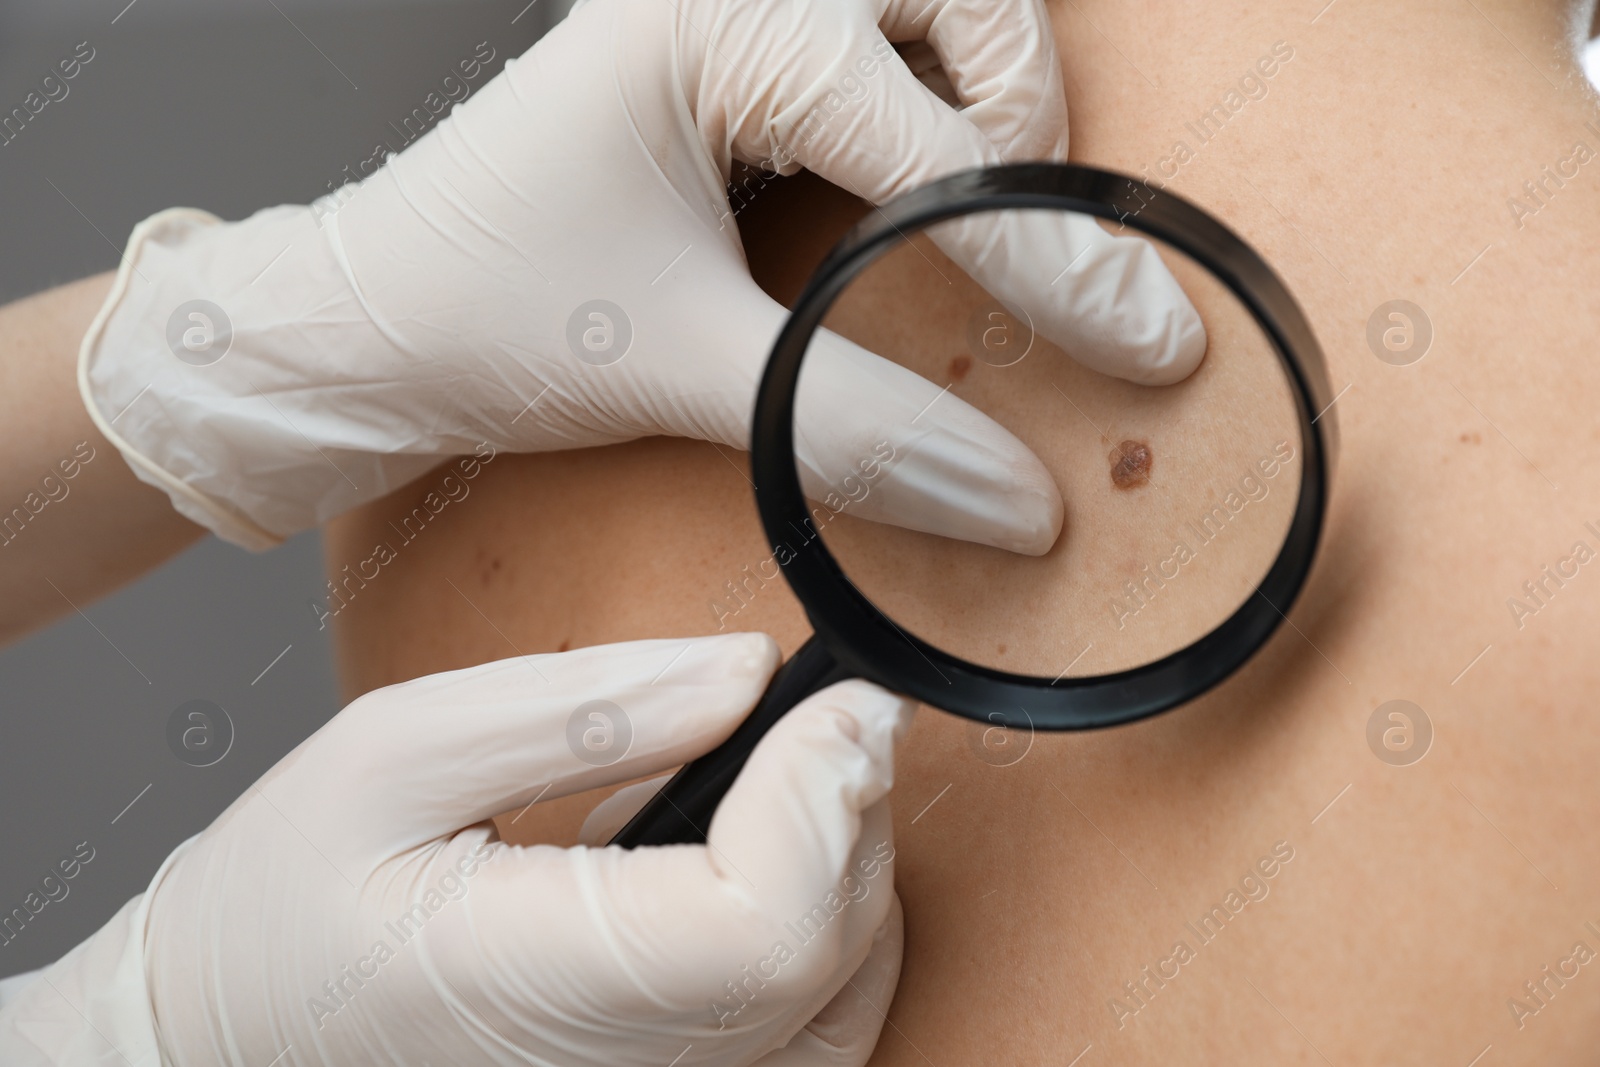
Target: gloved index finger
[(1108, 300), (420, 760)]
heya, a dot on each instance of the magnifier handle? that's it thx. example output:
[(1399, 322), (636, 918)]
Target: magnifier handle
[(681, 812)]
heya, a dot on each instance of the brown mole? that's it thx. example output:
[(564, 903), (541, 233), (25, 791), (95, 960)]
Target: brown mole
[(1130, 464), (959, 366)]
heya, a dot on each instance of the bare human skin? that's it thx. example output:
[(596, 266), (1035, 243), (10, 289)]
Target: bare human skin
[(1333, 905), (74, 523)]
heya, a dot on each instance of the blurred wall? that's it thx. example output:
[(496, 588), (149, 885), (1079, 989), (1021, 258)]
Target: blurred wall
[(229, 105)]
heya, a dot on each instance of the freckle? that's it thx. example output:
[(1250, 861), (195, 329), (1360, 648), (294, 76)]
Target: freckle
[(1471, 438), (564, 646), (959, 366), (1130, 464), (1000, 650)]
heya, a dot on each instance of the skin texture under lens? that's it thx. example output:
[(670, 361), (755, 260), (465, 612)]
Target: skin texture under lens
[(1149, 561), (1130, 464)]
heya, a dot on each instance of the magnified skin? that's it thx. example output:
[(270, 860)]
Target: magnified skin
[(1268, 874), (1130, 464)]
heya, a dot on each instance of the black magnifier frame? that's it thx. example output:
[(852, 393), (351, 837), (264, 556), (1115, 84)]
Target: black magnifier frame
[(854, 639)]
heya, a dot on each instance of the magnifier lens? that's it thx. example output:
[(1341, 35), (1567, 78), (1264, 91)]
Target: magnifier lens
[(1177, 497)]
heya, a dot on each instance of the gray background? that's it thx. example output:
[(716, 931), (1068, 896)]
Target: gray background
[(226, 105)]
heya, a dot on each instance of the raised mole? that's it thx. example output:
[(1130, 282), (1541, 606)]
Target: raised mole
[(1130, 464)]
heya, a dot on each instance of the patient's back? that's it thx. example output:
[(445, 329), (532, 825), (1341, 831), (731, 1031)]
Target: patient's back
[(1255, 877)]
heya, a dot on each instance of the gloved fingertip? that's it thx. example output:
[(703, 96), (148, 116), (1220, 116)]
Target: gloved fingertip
[(737, 656), (1033, 518), (1020, 510), (873, 717), (1159, 327), (1180, 351), (969, 479)]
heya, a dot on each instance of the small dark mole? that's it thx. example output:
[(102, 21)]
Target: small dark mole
[(1001, 650), (959, 366), (1471, 438), (1130, 464), (564, 646)]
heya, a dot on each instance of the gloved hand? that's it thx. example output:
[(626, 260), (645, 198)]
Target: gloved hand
[(354, 907), (555, 265)]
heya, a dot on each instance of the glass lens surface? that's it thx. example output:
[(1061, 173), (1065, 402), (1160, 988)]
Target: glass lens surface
[(1057, 348)]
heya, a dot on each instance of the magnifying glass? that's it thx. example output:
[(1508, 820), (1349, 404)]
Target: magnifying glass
[(1194, 510)]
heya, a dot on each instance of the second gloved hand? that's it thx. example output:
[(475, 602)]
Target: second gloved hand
[(556, 265), (354, 907)]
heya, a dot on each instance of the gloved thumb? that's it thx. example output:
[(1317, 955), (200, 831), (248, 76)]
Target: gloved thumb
[(792, 824), (417, 761), (846, 1031)]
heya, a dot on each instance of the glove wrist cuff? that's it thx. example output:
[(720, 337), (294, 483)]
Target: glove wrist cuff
[(212, 514), (222, 366), (90, 1007)]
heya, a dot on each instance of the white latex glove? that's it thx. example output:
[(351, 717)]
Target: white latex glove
[(354, 907), (447, 299)]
